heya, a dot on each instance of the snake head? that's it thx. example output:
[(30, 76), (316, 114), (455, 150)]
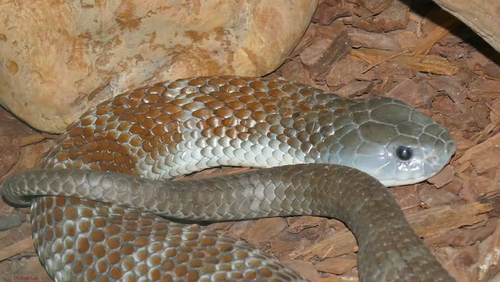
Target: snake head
[(397, 144)]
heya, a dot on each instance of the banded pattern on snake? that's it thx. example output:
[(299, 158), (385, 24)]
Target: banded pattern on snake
[(321, 154)]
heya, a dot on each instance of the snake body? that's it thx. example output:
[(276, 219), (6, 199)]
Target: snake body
[(321, 154)]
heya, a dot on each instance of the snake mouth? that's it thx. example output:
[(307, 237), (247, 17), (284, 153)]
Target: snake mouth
[(395, 182), (415, 170)]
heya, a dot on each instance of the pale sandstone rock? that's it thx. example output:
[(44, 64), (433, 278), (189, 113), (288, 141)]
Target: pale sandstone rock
[(60, 58), (480, 15)]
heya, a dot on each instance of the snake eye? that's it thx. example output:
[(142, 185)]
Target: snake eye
[(404, 153)]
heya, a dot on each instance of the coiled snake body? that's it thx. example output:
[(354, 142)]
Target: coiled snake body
[(320, 154)]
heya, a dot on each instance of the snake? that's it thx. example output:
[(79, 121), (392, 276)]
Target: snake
[(107, 204)]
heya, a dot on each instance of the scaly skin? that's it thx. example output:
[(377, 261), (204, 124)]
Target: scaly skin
[(387, 252), (188, 125)]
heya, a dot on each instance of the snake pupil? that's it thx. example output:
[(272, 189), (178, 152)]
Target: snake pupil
[(404, 153)]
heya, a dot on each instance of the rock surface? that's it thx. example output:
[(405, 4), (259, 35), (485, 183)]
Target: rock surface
[(61, 58), (481, 16)]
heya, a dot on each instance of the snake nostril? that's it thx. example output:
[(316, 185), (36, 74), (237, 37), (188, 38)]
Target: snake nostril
[(451, 148)]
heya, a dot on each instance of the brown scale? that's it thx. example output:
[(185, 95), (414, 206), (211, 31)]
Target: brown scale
[(127, 129)]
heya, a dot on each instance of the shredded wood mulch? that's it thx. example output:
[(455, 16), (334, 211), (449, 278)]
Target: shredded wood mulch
[(357, 49)]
